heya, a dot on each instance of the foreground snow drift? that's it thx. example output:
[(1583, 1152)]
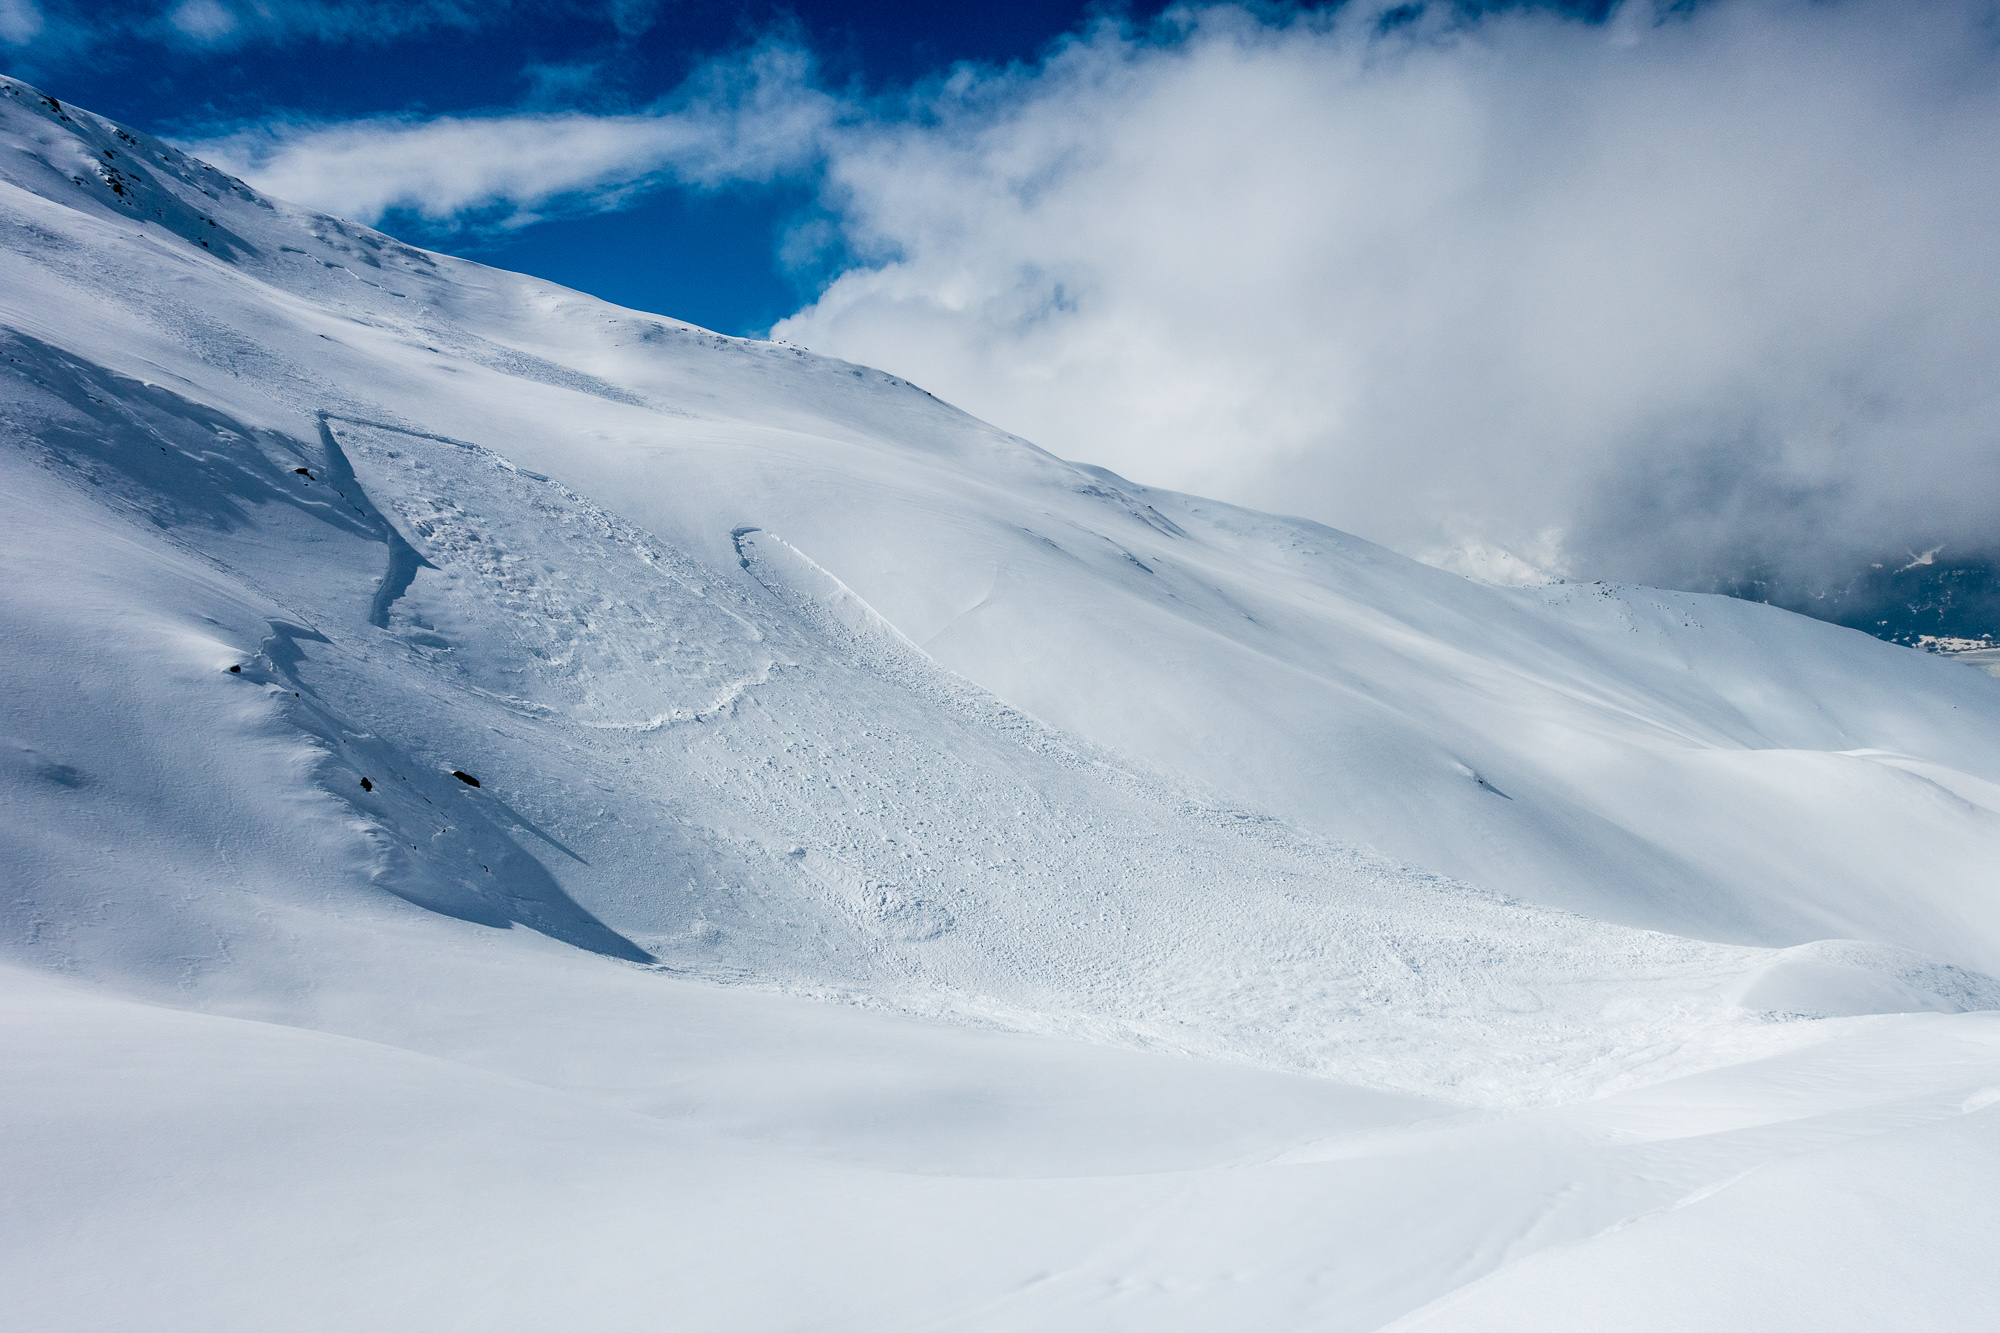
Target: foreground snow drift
[(426, 686), (624, 1151)]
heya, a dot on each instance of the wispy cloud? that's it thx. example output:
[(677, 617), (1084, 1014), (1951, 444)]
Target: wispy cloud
[(750, 119), (21, 21), (232, 23), (1661, 297), (74, 27)]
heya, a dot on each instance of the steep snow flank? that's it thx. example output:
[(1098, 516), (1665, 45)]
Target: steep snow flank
[(759, 780), (455, 727), (1650, 742)]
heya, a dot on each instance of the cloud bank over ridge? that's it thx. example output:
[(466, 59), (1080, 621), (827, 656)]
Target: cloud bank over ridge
[(1670, 297)]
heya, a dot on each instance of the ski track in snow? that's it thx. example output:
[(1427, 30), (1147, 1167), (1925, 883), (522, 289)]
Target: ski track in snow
[(956, 887)]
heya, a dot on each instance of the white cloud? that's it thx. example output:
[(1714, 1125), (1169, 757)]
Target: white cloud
[(21, 22), (233, 23), (202, 21), (1649, 299), (747, 120), (67, 32)]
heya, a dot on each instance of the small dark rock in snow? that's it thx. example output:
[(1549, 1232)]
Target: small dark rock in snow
[(465, 777), (236, 671), (366, 785), (303, 473)]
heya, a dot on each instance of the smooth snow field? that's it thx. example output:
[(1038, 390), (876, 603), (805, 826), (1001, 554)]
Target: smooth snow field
[(911, 881)]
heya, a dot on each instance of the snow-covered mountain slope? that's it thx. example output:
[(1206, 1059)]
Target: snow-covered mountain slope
[(360, 601)]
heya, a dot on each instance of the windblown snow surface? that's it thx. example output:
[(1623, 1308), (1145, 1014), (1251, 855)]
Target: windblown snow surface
[(912, 882)]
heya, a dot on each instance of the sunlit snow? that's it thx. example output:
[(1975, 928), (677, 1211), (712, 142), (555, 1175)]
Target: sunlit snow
[(522, 814)]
